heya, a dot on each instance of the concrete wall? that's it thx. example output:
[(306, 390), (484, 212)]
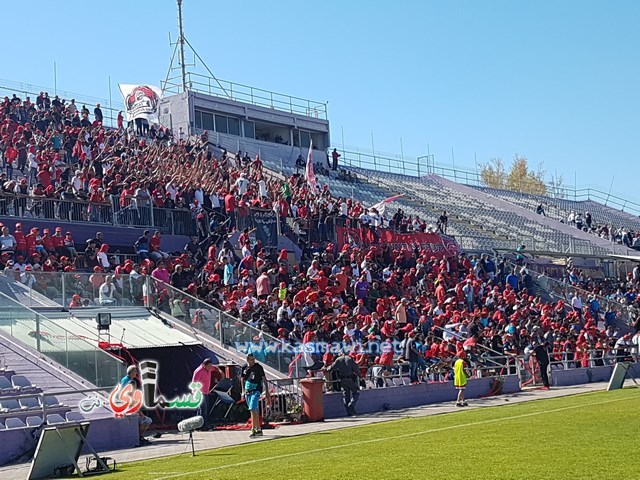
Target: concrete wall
[(579, 376), (113, 433), (175, 113), (406, 396)]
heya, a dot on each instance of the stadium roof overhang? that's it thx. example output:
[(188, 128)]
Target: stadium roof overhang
[(629, 258)]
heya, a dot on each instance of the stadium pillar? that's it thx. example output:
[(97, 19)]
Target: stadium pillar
[(64, 290), (38, 332)]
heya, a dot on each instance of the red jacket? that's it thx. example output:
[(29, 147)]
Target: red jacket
[(21, 244), (30, 241)]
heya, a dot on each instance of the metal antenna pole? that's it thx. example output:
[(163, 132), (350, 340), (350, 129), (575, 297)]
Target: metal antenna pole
[(166, 80), (181, 41), (208, 69), (179, 46)]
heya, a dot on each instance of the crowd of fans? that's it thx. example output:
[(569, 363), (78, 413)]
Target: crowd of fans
[(435, 309)]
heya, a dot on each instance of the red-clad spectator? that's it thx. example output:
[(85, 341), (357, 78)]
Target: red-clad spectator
[(18, 234), (48, 242)]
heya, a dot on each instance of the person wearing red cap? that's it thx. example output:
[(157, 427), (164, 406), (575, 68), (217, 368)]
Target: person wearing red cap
[(27, 278), (103, 260), (70, 246), (47, 241), (57, 242), (21, 245), (76, 301), (30, 241)]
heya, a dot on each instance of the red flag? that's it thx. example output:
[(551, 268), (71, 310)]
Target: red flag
[(308, 173)]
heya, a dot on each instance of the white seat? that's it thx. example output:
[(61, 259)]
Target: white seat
[(74, 417), (54, 419), (34, 421), (14, 423)]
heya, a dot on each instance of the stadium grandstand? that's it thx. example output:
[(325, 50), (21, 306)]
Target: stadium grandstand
[(233, 225)]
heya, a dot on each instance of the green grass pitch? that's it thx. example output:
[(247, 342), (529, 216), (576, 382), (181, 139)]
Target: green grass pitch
[(590, 436)]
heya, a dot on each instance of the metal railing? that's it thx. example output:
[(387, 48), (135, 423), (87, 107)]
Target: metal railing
[(247, 94), (110, 212), (69, 350), (563, 290), (529, 369), (110, 114), (230, 331), (147, 291), (413, 166)]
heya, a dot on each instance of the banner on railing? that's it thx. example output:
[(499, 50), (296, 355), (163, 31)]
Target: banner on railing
[(141, 101), (266, 227), (433, 243)]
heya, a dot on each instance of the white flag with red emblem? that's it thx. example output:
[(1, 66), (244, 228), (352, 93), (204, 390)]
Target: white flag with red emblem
[(308, 171), (380, 207), (141, 101)]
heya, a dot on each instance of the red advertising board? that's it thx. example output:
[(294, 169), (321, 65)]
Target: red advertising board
[(437, 245)]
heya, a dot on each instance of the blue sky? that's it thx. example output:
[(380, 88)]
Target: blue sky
[(556, 81)]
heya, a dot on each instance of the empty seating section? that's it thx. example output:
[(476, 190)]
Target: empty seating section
[(369, 193), (491, 219), (560, 208), (26, 411)]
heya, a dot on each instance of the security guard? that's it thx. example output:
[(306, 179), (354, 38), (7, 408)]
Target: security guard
[(349, 374)]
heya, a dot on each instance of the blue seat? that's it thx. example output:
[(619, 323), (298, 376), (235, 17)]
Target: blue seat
[(21, 381), (11, 423), (75, 417), (31, 403), (52, 402), (55, 419), (10, 405), (5, 384), (34, 421)]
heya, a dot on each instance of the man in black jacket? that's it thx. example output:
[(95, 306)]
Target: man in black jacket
[(542, 356), (349, 374)]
